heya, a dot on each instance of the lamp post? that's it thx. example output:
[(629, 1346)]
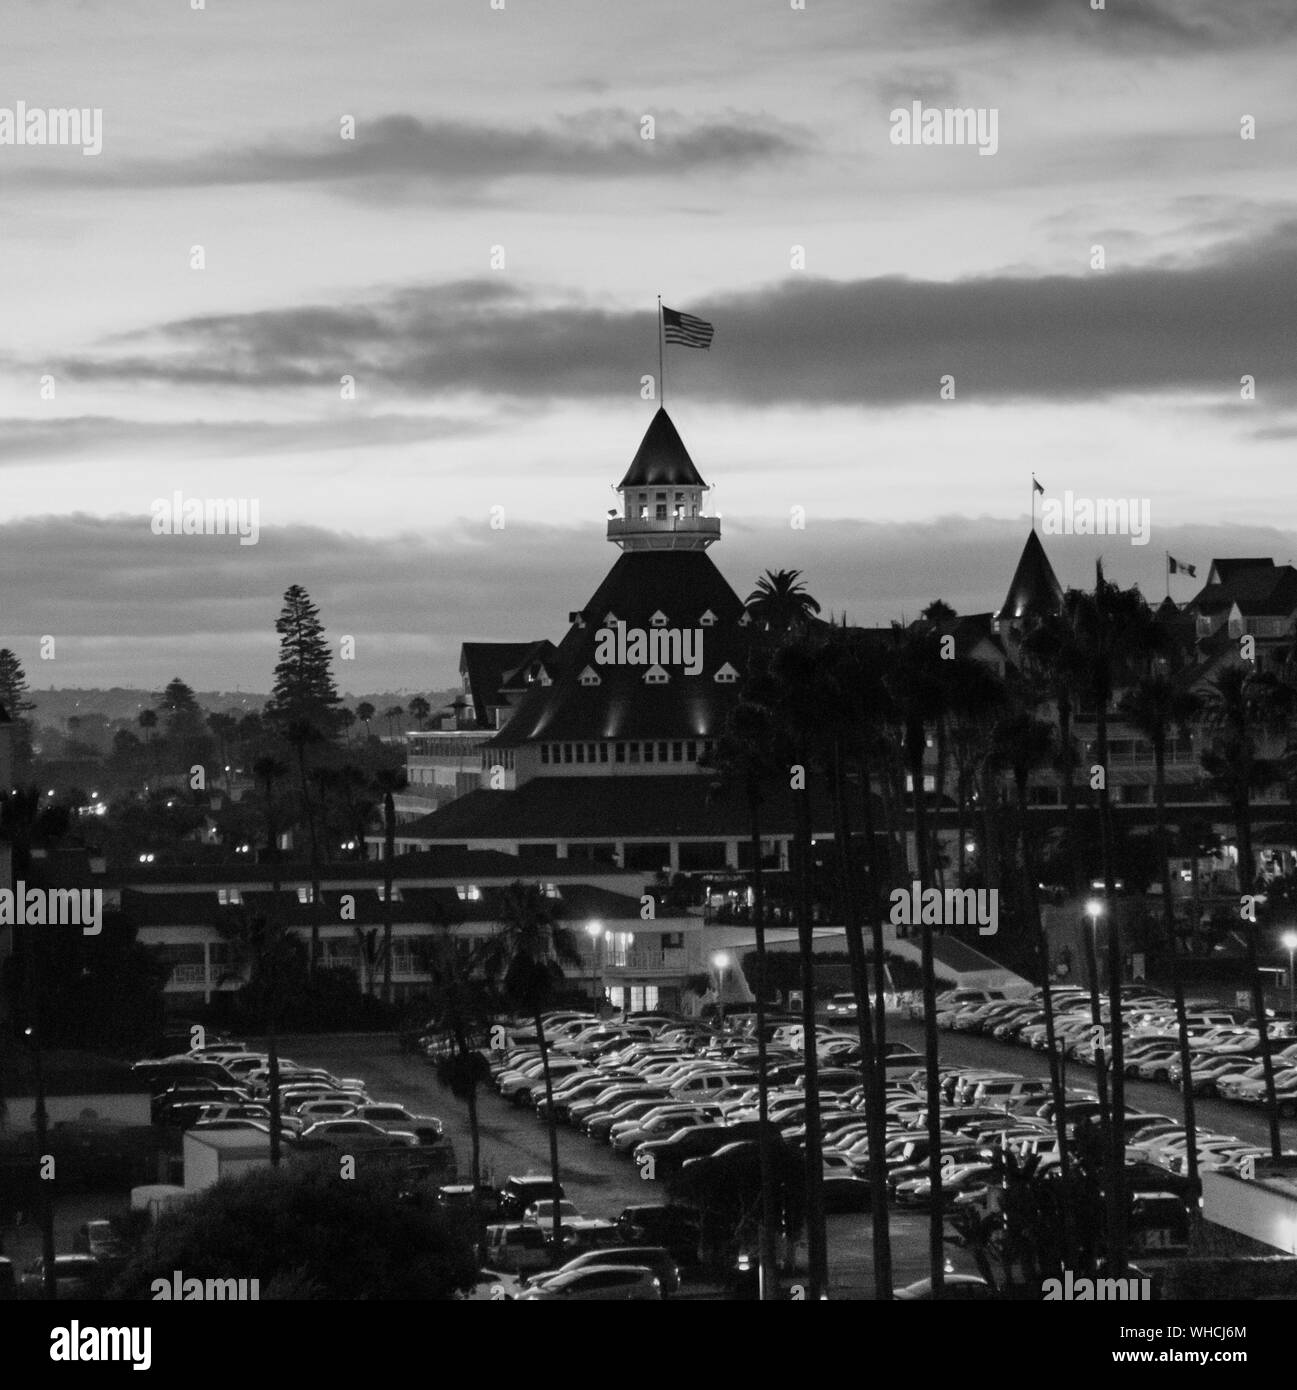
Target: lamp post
[(594, 930), (1094, 909), (1289, 939), (721, 961)]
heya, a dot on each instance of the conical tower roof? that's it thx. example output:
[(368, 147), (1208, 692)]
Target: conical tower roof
[(1034, 591), (662, 459)]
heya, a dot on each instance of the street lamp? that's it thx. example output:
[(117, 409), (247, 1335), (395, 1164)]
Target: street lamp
[(1094, 909), (1289, 939), (721, 961), (594, 930)]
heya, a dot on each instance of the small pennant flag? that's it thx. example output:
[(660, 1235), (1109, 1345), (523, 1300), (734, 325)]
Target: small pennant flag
[(686, 330), (1175, 566), (1036, 486)]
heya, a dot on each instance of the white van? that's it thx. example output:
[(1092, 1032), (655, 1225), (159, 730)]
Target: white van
[(1009, 1095)]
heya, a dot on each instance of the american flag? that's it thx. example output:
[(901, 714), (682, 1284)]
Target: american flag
[(685, 329)]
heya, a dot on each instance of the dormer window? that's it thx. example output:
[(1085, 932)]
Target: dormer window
[(746, 619), (659, 619), (727, 675), (708, 619), (655, 675), (610, 619), (589, 677)]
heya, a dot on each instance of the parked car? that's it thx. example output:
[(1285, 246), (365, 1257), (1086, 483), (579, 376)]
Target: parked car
[(75, 1276), (598, 1283), (651, 1257)]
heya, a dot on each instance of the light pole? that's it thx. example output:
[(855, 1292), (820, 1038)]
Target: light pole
[(594, 930), (1289, 939), (721, 961), (1094, 909)]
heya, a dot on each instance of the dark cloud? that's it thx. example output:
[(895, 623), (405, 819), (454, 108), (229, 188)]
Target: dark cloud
[(1134, 25), (128, 607), (450, 158), (1180, 328), (85, 436)]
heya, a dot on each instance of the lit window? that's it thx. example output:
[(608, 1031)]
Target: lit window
[(304, 894), (468, 892), (229, 897)]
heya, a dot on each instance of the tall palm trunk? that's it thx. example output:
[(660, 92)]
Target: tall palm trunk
[(389, 853), (1069, 788), (816, 1238), (551, 1126), (1056, 1089), (767, 1263), (914, 744), (869, 1060), (877, 1082), (315, 855), (1177, 985)]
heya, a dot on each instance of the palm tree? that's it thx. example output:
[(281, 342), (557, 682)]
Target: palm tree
[(391, 715), (1053, 653), (1022, 743), (1237, 710), (420, 709), (780, 603), (365, 712), (346, 722), (1153, 706), (527, 954), (387, 783), (1117, 635), (462, 1004), (844, 694), (797, 715), (919, 692), (745, 755), (301, 734)]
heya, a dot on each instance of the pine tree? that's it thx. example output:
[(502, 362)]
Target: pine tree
[(13, 685), (303, 689)]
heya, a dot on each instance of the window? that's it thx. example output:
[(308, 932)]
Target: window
[(620, 755), (660, 511), (396, 892), (659, 619), (672, 940), (727, 675), (603, 752), (304, 894), (634, 752), (567, 752), (691, 751), (648, 752), (643, 513), (468, 892), (544, 752), (580, 752), (708, 619), (655, 675), (229, 897), (589, 752), (677, 752)]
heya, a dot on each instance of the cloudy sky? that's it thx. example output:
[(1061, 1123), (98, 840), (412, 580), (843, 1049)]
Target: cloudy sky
[(515, 135)]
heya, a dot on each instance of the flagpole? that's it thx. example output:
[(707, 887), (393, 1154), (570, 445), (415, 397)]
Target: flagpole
[(662, 379), (1167, 556), (1033, 501)]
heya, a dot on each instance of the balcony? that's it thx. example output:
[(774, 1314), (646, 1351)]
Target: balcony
[(672, 533), (668, 961)]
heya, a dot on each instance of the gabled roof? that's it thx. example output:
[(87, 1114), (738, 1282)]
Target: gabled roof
[(683, 583), (488, 666), (1034, 591), (1260, 588), (661, 459)]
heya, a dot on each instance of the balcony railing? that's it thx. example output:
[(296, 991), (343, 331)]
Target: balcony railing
[(687, 526), (669, 961)]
